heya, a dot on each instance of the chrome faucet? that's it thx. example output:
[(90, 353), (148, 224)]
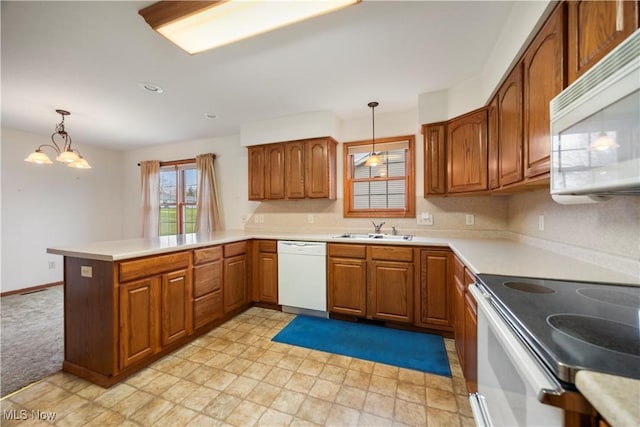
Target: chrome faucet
[(377, 227)]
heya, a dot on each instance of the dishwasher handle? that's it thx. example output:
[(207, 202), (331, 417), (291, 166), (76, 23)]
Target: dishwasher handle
[(302, 248)]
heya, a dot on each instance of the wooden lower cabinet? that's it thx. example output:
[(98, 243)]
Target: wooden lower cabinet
[(235, 276), (347, 286), (390, 291), (433, 292), (372, 281), (177, 306), (470, 363), (139, 320), (207, 286), (465, 324), (265, 271)]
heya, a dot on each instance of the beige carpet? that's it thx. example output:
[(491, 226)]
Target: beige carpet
[(32, 337)]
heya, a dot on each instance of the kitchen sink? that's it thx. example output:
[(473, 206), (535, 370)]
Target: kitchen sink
[(375, 236)]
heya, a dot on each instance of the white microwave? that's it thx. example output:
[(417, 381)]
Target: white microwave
[(595, 127)]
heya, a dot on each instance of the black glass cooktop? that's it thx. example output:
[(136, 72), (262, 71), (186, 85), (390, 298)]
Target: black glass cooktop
[(573, 325)]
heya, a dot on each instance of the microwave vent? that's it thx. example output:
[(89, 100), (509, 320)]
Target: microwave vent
[(624, 54)]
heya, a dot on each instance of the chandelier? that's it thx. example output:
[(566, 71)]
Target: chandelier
[(66, 154)]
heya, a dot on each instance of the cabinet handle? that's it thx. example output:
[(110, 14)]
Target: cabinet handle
[(619, 15)]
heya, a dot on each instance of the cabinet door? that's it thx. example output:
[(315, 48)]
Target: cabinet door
[(139, 320), (595, 28), (493, 137), (467, 153), (177, 312), (294, 170), (268, 277), (433, 303), (543, 80), (236, 292), (435, 159), (320, 168), (390, 291), (256, 172), (510, 128), (274, 171), (458, 309), (347, 286), (470, 368)]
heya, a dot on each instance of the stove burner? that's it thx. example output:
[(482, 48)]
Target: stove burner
[(531, 288), (600, 332), (611, 297)]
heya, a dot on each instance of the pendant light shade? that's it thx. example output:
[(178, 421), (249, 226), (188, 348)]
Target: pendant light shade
[(374, 159), (66, 154)]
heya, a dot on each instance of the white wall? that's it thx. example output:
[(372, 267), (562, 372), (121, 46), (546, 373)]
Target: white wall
[(231, 173), (53, 205)]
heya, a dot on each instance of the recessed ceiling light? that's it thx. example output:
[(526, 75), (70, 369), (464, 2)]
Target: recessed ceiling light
[(150, 87), (210, 115)]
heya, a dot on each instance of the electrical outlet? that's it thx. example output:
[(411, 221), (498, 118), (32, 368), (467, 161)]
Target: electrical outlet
[(52, 264), (541, 222), (469, 219), (425, 218), (86, 271), (256, 219), (261, 218), (310, 218)]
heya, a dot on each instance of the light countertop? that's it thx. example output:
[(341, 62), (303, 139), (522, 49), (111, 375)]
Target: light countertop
[(617, 399), (481, 255)]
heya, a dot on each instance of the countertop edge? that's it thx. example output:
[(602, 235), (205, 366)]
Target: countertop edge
[(615, 398)]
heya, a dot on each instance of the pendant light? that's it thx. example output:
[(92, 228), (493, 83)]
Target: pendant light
[(66, 154), (374, 159)]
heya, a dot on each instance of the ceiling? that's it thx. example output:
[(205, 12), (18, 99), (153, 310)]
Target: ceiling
[(90, 57)]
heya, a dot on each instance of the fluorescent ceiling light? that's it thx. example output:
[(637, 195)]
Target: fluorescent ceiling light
[(199, 26)]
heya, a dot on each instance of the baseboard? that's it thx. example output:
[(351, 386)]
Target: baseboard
[(31, 289)]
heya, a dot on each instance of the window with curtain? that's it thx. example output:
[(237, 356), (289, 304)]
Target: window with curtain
[(386, 190), (178, 198)]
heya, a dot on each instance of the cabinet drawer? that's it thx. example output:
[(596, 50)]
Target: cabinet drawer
[(207, 278), (270, 246), (391, 253), (233, 249), (207, 255), (206, 309), (469, 278), (347, 251), (130, 270)]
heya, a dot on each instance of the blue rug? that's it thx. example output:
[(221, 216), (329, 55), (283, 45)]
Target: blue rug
[(405, 349)]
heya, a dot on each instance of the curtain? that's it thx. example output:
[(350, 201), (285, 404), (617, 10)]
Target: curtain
[(150, 185), (207, 204)]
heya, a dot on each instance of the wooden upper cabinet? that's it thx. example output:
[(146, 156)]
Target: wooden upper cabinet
[(467, 152), (544, 71), (294, 170), (595, 28), (510, 118), (492, 136), (435, 158), (274, 171), (320, 168), (256, 172)]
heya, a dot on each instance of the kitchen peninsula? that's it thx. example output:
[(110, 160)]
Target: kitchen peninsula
[(129, 302)]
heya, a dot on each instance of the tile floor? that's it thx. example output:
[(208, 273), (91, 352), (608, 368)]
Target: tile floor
[(235, 376)]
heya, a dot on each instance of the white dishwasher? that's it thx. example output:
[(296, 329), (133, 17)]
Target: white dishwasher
[(302, 277)]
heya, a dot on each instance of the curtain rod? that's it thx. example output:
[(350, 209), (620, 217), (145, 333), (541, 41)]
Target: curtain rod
[(183, 161)]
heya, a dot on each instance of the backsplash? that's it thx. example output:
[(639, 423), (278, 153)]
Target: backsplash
[(449, 214)]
